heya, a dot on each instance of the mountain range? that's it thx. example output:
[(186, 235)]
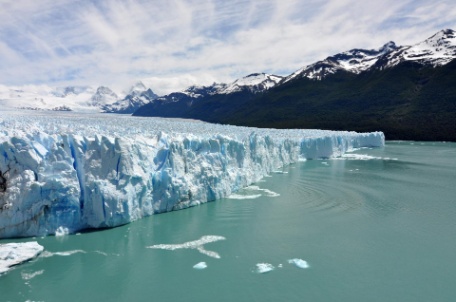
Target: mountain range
[(408, 92), (76, 98)]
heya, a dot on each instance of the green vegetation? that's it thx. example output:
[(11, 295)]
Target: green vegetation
[(409, 101)]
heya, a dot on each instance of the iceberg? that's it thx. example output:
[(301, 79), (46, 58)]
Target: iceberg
[(70, 171), (12, 254), (200, 265), (262, 268), (299, 263)]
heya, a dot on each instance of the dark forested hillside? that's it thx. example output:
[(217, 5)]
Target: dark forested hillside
[(408, 101)]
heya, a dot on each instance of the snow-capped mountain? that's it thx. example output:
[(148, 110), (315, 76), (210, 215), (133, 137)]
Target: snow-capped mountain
[(43, 97), (72, 91), (75, 98), (251, 84), (138, 96), (103, 96), (436, 50), (137, 88), (255, 82), (355, 61)]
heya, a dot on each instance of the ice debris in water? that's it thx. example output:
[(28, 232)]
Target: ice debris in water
[(264, 268), (29, 276), (299, 263), (48, 254), (255, 189), (240, 196), (197, 245), (200, 265), (267, 192), (96, 171), (12, 254), (61, 231)]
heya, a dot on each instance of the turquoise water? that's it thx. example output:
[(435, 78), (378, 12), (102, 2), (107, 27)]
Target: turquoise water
[(378, 229)]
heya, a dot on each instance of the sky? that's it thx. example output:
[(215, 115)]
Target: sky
[(172, 44)]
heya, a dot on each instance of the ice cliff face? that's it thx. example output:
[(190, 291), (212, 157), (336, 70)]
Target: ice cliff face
[(94, 171)]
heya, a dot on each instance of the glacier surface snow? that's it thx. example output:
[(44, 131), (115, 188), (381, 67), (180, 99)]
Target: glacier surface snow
[(67, 171)]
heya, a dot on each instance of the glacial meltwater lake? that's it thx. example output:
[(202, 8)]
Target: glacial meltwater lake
[(377, 225)]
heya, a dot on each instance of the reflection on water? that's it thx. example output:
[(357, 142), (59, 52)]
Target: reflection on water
[(376, 225)]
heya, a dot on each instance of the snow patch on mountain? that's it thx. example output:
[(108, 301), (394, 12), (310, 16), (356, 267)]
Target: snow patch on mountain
[(256, 82), (437, 50), (354, 61)]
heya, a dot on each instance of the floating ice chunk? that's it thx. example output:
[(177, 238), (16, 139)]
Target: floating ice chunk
[(264, 268), (28, 276), (200, 265), (61, 231), (299, 263), (197, 245), (12, 254)]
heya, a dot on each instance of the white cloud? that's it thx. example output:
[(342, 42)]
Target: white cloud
[(178, 43)]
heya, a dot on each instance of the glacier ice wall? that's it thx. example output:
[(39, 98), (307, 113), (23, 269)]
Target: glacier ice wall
[(96, 171)]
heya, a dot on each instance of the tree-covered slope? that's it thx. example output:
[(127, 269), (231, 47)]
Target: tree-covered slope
[(407, 101)]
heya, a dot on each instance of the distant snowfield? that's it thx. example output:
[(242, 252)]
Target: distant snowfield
[(70, 171)]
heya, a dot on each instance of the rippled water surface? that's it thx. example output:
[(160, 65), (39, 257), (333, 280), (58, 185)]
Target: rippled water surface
[(378, 225)]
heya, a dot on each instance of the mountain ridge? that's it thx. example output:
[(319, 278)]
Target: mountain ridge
[(353, 90)]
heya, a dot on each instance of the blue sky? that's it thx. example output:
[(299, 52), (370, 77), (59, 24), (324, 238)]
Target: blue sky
[(177, 43)]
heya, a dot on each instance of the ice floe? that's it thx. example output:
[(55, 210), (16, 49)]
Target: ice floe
[(262, 268), (299, 263), (196, 244), (200, 265), (12, 254)]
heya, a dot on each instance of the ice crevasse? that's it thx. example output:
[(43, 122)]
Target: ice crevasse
[(96, 171)]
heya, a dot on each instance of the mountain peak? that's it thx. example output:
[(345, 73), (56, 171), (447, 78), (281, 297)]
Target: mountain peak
[(255, 82), (436, 50), (445, 35), (104, 95), (390, 46), (138, 87)]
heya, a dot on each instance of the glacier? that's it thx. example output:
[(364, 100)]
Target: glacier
[(70, 171)]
